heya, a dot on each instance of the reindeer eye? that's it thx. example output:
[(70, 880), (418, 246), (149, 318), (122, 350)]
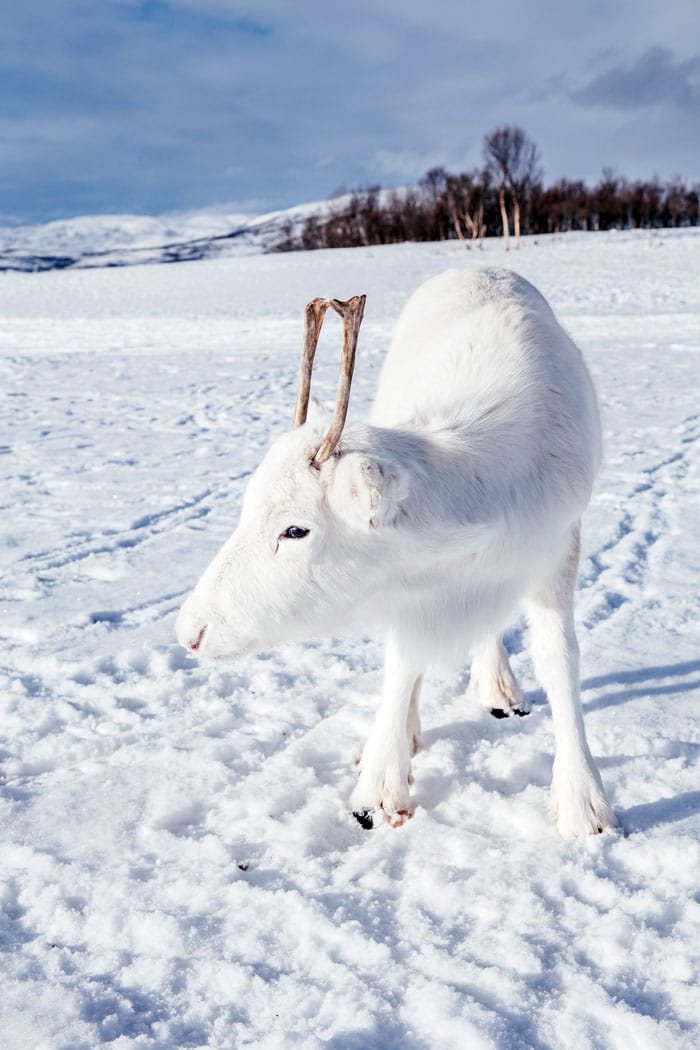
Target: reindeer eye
[(294, 532)]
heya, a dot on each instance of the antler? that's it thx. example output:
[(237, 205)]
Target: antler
[(313, 319), (351, 313)]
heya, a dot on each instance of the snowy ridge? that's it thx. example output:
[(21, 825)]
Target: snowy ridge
[(128, 240), (177, 865)]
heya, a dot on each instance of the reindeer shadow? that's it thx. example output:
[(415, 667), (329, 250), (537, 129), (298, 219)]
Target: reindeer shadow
[(640, 675), (664, 811), (536, 768)]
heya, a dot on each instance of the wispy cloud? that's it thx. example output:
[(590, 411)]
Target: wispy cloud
[(154, 105), (654, 79)]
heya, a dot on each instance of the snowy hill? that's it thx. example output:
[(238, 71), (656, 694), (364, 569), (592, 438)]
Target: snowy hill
[(90, 241), (177, 864)]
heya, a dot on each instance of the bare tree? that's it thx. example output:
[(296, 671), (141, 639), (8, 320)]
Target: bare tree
[(497, 157), (473, 205), (513, 159), (433, 184), (465, 198)]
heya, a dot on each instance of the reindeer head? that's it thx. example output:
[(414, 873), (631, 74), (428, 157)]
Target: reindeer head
[(305, 550)]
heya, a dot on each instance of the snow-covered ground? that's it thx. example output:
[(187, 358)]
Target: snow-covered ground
[(178, 866)]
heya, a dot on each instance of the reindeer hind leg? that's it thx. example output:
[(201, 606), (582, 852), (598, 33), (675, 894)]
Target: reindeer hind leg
[(493, 681)]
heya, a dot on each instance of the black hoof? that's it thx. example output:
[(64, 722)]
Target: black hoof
[(499, 712), (365, 818)]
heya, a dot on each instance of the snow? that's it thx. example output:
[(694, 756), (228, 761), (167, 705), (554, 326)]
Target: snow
[(178, 866), (131, 240), (102, 233)]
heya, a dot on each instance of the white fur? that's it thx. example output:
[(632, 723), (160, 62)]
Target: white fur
[(458, 504)]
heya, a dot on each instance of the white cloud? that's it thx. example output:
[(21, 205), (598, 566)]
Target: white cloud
[(174, 104)]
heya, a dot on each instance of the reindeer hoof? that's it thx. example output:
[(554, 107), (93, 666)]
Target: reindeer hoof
[(365, 818), (500, 712), (372, 818), (398, 819)]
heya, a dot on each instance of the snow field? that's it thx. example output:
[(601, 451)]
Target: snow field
[(178, 866)]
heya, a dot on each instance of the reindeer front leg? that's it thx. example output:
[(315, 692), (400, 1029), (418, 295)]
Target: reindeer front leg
[(385, 766), (579, 802)]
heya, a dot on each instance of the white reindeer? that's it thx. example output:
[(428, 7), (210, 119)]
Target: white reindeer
[(456, 505)]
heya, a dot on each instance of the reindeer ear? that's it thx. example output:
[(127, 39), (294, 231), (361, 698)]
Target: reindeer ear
[(317, 411), (365, 493), (318, 416)]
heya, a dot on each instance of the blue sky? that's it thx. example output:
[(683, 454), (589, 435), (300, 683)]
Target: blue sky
[(159, 105)]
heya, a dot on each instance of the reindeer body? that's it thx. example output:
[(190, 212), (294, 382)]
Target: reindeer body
[(458, 504), (508, 445)]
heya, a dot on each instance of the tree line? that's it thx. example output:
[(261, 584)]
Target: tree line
[(506, 197)]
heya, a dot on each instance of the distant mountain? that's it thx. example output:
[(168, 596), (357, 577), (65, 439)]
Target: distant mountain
[(129, 240)]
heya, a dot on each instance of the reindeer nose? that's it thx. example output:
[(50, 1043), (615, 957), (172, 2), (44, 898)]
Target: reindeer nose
[(190, 630), (194, 643)]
